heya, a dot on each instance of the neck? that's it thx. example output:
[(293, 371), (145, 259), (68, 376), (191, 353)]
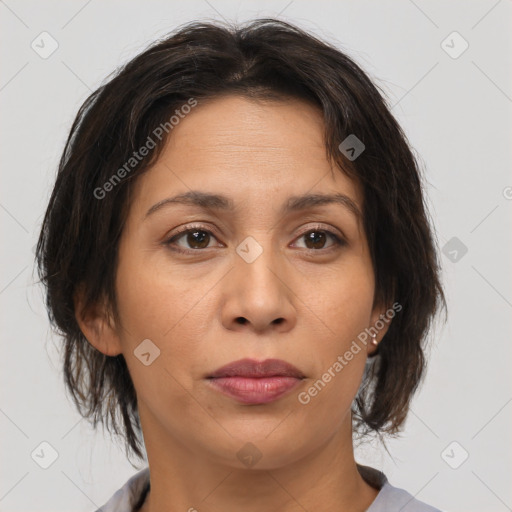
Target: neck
[(326, 479)]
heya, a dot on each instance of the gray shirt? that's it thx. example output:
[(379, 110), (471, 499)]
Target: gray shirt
[(390, 499)]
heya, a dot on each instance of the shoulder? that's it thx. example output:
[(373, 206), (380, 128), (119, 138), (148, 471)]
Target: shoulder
[(127, 497), (391, 498)]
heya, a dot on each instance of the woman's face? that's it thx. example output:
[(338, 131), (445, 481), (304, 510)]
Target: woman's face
[(252, 279)]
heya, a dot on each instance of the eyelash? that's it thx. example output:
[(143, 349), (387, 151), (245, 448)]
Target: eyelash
[(338, 241)]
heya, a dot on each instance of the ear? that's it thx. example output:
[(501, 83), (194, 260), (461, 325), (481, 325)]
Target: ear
[(97, 325), (380, 320)]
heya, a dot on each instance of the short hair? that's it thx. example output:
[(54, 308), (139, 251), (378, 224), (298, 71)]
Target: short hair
[(264, 59)]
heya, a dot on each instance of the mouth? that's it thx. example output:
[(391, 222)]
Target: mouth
[(251, 382)]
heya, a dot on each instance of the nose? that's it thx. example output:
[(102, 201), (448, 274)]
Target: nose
[(258, 295)]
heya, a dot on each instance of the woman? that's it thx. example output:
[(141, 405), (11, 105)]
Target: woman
[(238, 256)]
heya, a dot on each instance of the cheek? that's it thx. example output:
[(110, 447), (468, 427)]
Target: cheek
[(344, 298), (340, 355), (170, 308), (156, 299), (155, 307), (344, 306)]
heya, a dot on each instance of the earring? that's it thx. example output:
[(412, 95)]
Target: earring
[(374, 340)]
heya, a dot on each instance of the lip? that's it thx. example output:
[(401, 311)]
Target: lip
[(254, 382)]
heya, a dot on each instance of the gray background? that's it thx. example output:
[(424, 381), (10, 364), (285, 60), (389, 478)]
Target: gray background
[(456, 114)]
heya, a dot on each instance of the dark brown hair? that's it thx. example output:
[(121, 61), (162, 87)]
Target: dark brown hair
[(265, 59)]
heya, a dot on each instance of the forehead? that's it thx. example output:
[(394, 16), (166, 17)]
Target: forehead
[(260, 123), (261, 150)]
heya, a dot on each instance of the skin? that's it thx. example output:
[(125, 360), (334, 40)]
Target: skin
[(258, 154)]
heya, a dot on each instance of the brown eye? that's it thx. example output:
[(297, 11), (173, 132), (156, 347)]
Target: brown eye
[(193, 239), (316, 239), (198, 239)]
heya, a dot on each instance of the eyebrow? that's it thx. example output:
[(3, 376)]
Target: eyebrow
[(222, 203)]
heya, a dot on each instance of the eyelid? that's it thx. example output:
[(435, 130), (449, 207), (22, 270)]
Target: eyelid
[(323, 227), (339, 238), (335, 233), (188, 228)]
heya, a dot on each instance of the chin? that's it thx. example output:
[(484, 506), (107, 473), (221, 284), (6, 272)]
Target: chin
[(254, 449)]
